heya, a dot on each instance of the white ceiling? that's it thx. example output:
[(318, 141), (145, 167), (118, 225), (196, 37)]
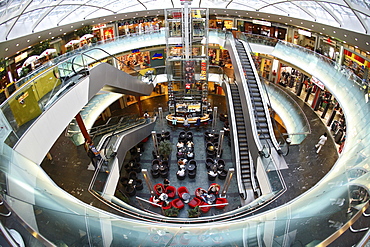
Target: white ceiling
[(29, 19)]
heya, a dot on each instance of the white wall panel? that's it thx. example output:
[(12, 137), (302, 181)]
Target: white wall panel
[(38, 140)]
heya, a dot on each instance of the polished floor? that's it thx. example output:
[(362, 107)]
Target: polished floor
[(68, 168)]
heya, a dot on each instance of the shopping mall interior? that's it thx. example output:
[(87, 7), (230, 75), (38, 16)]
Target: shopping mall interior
[(205, 123)]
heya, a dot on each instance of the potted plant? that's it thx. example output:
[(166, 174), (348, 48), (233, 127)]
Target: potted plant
[(165, 148), (171, 212), (194, 212)]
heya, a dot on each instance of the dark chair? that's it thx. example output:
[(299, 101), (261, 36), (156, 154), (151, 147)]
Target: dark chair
[(159, 203), (209, 163), (177, 203), (164, 173), (189, 136), (192, 163), (130, 190), (182, 136), (171, 191), (155, 173), (192, 174), (220, 165), (211, 178), (211, 154), (132, 175), (137, 168), (168, 206), (195, 202), (180, 177), (167, 135), (139, 184), (222, 175), (124, 181)]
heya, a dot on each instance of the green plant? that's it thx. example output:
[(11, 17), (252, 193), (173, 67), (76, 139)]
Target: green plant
[(171, 212), (194, 212), (85, 30), (165, 148), (40, 47)]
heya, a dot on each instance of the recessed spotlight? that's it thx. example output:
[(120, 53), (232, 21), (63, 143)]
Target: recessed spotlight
[(321, 33), (356, 39), (60, 30), (75, 30), (268, 16), (301, 23), (356, 46), (52, 37), (82, 24), (334, 31), (28, 41), (225, 11), (71, 26), (345, 35), (239, 16), (312, 25), (49, 33), (17, 45), (93, 21), (64, 33), (367, 43), (286, 23), (258, 14), (344, 42), (6, 49), (323, 28), (29, 46), (40, 42), (115, 17), (18, 52), (125, 15), (279, 18), (368, 52), (290, 20), (39, 37), (236, 12), (6, 58), (104, 18)]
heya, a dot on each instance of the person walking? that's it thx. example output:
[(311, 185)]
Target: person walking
[(321, 142)]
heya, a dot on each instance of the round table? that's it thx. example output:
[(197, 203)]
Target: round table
[(155, 167), (186, 197), (190, 167), (211, 198)]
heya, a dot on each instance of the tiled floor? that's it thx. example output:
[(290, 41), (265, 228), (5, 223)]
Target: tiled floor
[(305, 168)]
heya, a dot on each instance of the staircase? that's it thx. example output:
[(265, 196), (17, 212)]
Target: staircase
[(255, 94), (242, 138)]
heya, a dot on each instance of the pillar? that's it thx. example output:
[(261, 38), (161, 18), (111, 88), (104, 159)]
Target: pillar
[(316, 99), (83, 129), (308, 94), (299, 91), (122, 102), (139, 105)]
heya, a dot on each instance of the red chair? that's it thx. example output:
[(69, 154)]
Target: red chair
[(181, 190), (171, 191), (217, 186), (159, 189), (221, 200), (194, 202), (204, 209), (168, 206), (177, 203), (159, 203), (198, 192)]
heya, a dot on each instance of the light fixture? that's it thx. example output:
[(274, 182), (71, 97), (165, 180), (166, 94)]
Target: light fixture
[(290, 20), (82, 24), (71, 26), (52, 37), (39, 37), (6, 49), (29, 46), (312, 25), (104, 18), (75, 30), (49, 33), (323, 28), (93, 21), (344, 42), (345, 35), (64, 33), (17, 45), (279, 18), (367, 43), (28, 40), (301, 23), (356, 46), (356, 39), (334, 31)]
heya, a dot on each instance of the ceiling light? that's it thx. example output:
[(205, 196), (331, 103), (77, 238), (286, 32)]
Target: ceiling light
[(279, 18), (71, 26), (104, 18), (345, 35), (344, 42), (29, 46), (39, 37), (17, 45), (83, 24), (290, 20), (258, 14), (286, 23), (60, 29), (40, 42), (49, 33), (356, 39), (93, 21), (301, 23), (268, 16), (17, 52), (52, 37), (321, 33), (6, 49), (28, 40), (367, 43), (115, 17), (334, 31), (323, 28), (236, 12), (64, 33), (75, 30), (6, 58), (356, 46), (312, 25), (224, 10)]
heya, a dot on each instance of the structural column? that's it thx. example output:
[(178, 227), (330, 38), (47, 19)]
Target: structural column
[(83, 129)]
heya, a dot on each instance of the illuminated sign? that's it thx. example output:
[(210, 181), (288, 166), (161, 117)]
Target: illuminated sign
[(203, 70), (317, 82), (20, 57), (99, 26), (264, 23), (304, 32)]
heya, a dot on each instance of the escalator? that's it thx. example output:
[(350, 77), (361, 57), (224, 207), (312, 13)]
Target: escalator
[(255, 94), (245, 166)]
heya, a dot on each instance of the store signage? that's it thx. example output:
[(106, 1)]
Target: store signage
[(318, 82), (20, 57), (203, 70), (176, 15), (304, 32), (96, 27), (264, 23)]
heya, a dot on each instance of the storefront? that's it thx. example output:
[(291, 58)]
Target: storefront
[(139, 26), (104, 31)]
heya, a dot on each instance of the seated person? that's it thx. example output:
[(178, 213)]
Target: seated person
[(181, 162), (190, 144), (159, 188), (180, 145), (181, 172), (156, 199), (213, 189), (163, 197), (190, 155), (198, 122), (213, 173)]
